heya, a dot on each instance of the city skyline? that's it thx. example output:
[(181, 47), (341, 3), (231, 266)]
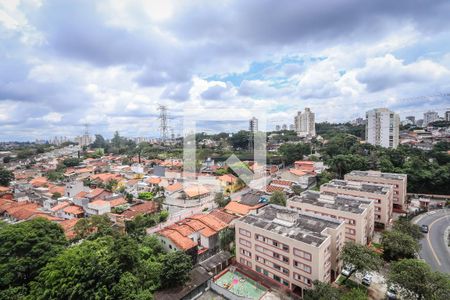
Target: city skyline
[(114, 69)]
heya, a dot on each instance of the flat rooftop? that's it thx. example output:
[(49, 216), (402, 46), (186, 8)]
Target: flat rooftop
[(394, 176), (345, 203), (301, 226), (358, 186)]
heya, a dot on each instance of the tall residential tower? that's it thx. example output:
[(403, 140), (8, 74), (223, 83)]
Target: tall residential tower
[(305, 123), (382, 128)]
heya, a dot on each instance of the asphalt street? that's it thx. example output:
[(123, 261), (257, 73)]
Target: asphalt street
[(434, 249)]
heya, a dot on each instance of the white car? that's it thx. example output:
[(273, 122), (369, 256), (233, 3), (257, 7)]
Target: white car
[(367, 279), (347, 270)]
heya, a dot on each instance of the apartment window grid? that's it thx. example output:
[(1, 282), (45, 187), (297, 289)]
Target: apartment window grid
[(272, 254), (245, 262), (272, 242), (245, 242), (302, 254), (301, 266), (245, 232), (245, 252), (272, 276), (302, 279), (272, 265)]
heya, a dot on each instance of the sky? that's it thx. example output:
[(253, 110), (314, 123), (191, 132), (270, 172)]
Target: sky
[(112, 63)]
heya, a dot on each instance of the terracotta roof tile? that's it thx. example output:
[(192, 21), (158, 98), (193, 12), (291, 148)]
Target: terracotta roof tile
[(174, 187), (74, 210), (60, 206), (196, 190)]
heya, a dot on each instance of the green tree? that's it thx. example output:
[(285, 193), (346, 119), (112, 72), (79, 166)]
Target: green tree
[(25, 248), (175, 269), (145, 196), (226, 237), (220, 200), (278, 198), (355, 294), (322, 291), (407, 227), (71, 162), (93, 227), (397, 245), (293, 152), (85, 271), (297, 189), (6, 177), (342, 164), (418, 281), (361, 257), (163, 215)]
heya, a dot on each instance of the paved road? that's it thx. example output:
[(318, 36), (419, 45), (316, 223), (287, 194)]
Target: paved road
[(434, 249)]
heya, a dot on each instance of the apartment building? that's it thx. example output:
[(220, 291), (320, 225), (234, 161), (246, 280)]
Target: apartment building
[(382, 128), (289, 247), (398, 181), (381, 194), (357, 213), (305, 124)]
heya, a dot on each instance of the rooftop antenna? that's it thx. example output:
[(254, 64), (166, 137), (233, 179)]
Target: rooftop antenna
[(163, 119)]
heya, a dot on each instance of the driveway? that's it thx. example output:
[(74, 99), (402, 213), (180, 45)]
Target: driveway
[(434, 248)]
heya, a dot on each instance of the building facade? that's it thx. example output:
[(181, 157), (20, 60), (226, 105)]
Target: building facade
[(357, 213), (305, 123), (382, 128), (382, 195), (430, 117), (399, 182), (290, 248)]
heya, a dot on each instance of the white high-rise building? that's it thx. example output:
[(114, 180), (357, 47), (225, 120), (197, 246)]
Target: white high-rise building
[(447, 115), (382, 127), (305, 123), (253, 125), (429, 117)]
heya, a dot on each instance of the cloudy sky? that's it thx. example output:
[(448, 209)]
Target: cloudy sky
[(111, 63)]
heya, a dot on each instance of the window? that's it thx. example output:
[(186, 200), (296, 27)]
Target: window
[(285, 247), (245, 232), (302, 254), (245, 252), (258, 269), (286, 283), (245, 242), (302, 266), (277, 278)]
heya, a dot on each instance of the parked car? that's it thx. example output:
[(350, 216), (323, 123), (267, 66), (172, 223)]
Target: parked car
[(367, 279), (347, 270), (391, 293), (424, 228)]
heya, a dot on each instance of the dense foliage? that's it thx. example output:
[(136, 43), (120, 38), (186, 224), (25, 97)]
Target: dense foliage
[(24, 249), (278, 198), (361, 257), (428, 172), (36, 262), (418, 281), (6, 177)]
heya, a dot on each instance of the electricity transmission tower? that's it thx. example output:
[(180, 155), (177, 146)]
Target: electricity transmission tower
[(163, 127)]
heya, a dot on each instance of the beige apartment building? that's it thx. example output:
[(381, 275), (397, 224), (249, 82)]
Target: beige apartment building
[(398, 181), (289, 247), (379, 193), (356, 212)]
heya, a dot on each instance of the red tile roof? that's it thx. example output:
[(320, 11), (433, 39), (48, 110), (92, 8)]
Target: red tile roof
[(174, 187), (60, 206), (74, 210), (147, 207), (223, 215), (229, 178), (273, 188)]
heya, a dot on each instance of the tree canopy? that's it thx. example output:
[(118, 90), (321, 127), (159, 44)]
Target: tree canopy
[(278, 198), (175, 268), (361, 257), (418, 281), (6, 177), (397, 245), (25, 248)]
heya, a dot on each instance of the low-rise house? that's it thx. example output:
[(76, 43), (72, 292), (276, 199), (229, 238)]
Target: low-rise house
[(196, 191), (198, 235), (229, 182), (72, 211), (279, 185), (357, 213)]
